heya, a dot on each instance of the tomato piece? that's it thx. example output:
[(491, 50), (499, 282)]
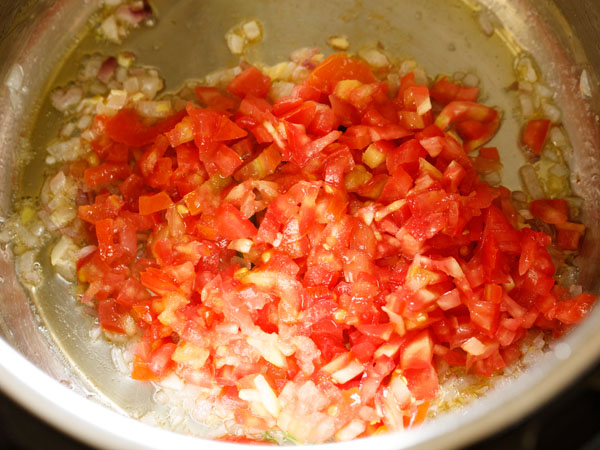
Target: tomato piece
[(250, 82), (161, 359), (210, 126), (445, 91), (569, 235), (396, 186), (416, 98), (243, 440), (484, 314), (356, 137), (337, 67), (261, 166), (534, 134), (554, 211), (214, 99), (127, 127), (104, 207), (457, 111), (306, 93), (110, 316), (418, 352), (232, 225), (324, 121), (106, 173), (575, 309), (227, 160), (149, 204), (182, 132), (422, 382), (117, 240), (284, 105), (303, 114)]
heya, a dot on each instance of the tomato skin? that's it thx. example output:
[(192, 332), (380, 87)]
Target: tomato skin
[(534, 134), (250, 82)]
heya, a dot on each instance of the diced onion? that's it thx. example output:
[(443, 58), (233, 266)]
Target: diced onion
[(337, 42), (241, 245), (526, 103), (525, 69), (63, 259), (352, 370), (473, 346), (235, 43), (350, 431), (374, 57), (252, 30), (110, 30), (63, 99), (531, 182)]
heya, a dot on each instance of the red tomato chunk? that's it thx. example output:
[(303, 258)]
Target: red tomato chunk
[(289, 259)]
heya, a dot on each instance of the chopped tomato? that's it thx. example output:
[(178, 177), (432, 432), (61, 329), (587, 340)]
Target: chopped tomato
[(250, 82), (569, 235), (149, 204), (445, 91), (338, 67), (110, 316), (318, 257), (534, 135), (106, 173), (231, 224), (554, 211)]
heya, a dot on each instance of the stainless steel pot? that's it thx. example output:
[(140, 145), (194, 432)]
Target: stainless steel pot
[(47, 362)]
